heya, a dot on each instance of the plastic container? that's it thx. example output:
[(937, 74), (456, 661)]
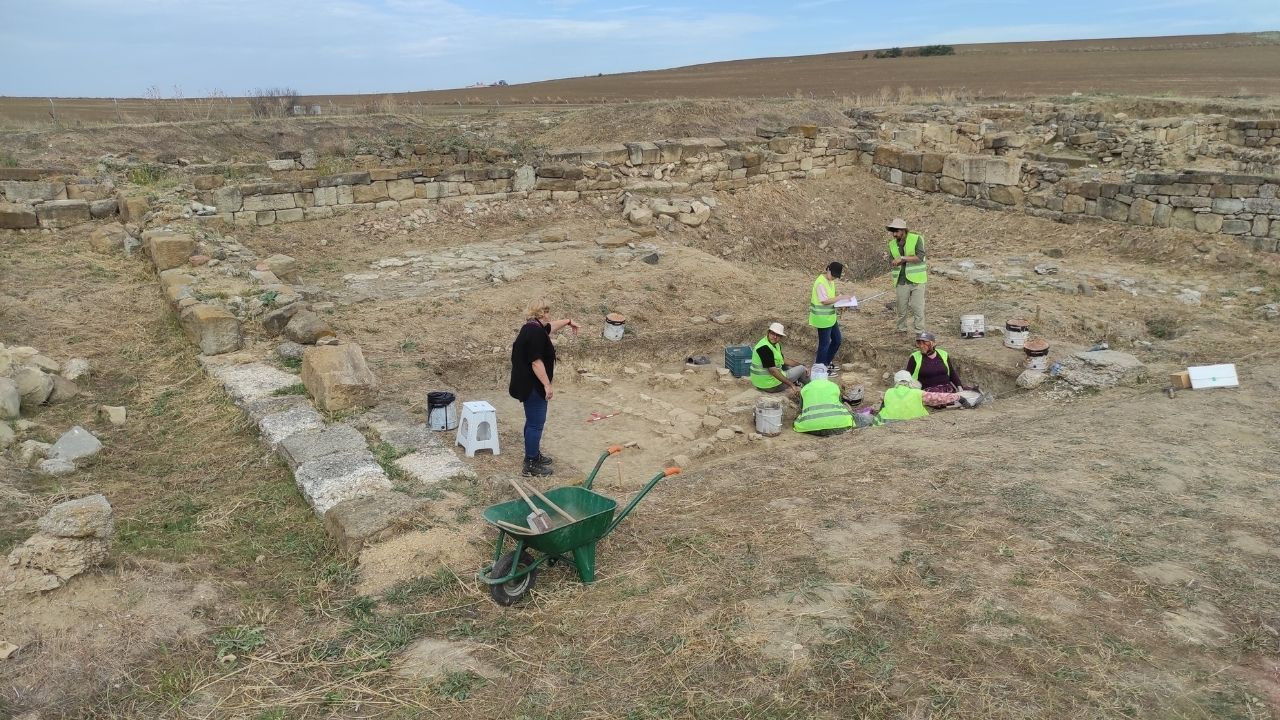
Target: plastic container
[(737, 358), (1016, 332), (614, 326), (442, 410), (973, 326), (769, 416), (1037, 354)]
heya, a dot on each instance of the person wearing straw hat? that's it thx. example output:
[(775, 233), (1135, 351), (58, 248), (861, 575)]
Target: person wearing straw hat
[(821, 411), (769, 372), (822, 313), (906, 252)]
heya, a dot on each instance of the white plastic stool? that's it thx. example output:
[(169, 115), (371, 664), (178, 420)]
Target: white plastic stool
[(478, 428)]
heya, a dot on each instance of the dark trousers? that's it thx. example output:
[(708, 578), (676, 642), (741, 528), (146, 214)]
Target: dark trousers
[(535, 417), (828, 345)]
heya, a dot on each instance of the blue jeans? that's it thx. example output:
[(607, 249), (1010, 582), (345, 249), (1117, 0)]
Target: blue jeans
[(535, 417), (828, 344)]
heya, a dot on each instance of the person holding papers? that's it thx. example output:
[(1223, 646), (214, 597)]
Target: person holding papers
[(822, 313)]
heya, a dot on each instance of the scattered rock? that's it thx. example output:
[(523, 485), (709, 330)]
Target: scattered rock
[(63, 389), (75, 444), (307, 327), (56, 467), (108, 238), (1188, 296), (62, 557), (7, 649), (31, 450), (1030, 379), (76, 369), (33, 385), (289, 350), (725, 434), (114, 414), (7, 436), (87, 517), (10, 399)]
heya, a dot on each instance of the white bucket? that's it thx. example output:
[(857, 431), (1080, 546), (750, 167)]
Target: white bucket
[(973, 326), (1016, 332), (769, 416), (614, 326), (1040, 363)]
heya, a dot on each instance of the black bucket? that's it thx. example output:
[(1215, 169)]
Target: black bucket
[(442, 412)]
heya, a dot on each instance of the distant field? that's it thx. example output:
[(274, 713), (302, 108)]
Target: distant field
[(1231, 65)]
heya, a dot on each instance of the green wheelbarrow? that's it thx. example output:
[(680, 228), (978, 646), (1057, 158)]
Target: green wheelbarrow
[(512, 574)]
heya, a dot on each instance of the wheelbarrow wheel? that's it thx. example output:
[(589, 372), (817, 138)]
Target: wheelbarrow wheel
[(509, 593)]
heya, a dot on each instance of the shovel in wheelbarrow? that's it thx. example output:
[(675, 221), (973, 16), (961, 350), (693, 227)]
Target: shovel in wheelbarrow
[(512, 573)]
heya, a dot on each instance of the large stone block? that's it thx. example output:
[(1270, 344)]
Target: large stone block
[(303, 447), (169, 250), (952, 186), (17, 217), (1113, 209), (1184, 218), (108, 238), (63, 213), (1142, 212), (99, 209), (215, 330), (252, 382), (329, 480), (132, 207), (282, 201), (277, 427), (20, 192), (373, 192), (1005, 195), (983, 169), (338, 377), (360, 521), (1208, 222), (400, 189)]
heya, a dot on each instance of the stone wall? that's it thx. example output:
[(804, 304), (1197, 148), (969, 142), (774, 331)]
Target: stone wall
[(52, 198), (672, 167), (1244, 206)]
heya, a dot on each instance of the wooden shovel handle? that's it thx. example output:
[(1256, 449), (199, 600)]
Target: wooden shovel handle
[(525, 495), (552, 505), (517, 529)]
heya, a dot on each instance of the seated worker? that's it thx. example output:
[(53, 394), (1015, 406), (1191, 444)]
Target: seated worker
[(930, 366), (768, 371), (821, 411), (905, 401)]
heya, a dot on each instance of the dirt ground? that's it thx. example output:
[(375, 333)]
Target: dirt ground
[(1193, 65), (1098, 554)]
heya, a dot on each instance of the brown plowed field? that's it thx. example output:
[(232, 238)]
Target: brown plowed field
[(1229, 65)]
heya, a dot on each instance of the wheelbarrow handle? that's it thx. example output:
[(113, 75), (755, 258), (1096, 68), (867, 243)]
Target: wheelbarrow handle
[(611, 450), (668, 472)]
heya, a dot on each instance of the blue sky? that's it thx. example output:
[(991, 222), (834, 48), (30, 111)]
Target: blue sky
[(121, 47)]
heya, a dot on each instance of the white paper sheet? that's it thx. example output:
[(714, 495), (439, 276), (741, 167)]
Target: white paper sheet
[(851, 302)]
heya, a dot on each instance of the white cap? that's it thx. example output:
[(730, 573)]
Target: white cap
[(818, 371), (776, 329), (896, 224), (902, 376)]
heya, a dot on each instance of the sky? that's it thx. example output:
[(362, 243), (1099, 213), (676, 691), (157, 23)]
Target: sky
[(120, 48)]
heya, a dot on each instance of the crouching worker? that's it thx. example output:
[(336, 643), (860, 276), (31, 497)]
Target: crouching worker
[(821, 412), (932, 369), (906, 401), (768, 370)]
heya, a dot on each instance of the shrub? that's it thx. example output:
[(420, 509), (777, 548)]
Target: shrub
[(272, 102), (929, 50), (890, 53)]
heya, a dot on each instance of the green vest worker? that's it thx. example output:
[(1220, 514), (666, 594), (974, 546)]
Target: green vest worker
[(822, 412), (903, 402), (768, 371), (822, 313), (906, 249)]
